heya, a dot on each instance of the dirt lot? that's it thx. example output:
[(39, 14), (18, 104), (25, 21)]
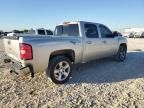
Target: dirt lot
[(99, 84)]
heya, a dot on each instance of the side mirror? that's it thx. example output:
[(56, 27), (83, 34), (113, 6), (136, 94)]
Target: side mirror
[(116, 33)]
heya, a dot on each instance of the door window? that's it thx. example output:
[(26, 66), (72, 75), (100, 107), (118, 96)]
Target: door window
[(49, 32), (105, 32), (91, 31)]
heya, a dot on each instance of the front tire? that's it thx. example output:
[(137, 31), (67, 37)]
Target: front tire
[(59, 69), (121, 55)]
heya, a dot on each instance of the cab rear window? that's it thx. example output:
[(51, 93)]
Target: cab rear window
[(67, 30)]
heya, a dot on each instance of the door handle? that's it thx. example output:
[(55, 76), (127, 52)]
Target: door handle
[(89, 42), (104, 41), (74, 42)]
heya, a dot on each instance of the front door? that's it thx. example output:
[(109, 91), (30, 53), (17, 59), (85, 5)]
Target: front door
[(110, 44), (93, 45)]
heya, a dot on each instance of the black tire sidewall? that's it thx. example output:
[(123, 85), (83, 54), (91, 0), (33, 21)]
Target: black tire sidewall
[(118, 55), (52, 65)]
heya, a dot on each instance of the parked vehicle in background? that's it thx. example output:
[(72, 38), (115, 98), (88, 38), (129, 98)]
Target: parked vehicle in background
[(135, 32), (0, 33), (5, 33), (139, 35), (31, 32), (72, 43), (125, 34), (142, 35), (14, 33), (131, 35), (39, 32)]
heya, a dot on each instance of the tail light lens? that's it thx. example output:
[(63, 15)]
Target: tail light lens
[(26, 52)]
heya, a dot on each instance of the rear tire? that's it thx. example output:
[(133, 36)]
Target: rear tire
[(121, 55), (59, 69)]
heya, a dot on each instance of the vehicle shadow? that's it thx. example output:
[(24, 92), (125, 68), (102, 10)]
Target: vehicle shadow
[(109, 71)]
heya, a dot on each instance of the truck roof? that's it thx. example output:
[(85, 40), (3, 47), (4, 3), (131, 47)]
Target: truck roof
[(76, 22)]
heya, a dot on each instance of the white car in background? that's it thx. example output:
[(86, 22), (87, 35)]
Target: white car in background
[(139, 35), (31, 32), (142, 35), (11, 34), (14, 33), (39, 32), (129, 35)]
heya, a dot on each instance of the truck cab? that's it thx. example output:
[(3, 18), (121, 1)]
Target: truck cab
[(98, 40)]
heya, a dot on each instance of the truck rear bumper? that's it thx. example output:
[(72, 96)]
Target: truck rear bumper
[(16, 67)]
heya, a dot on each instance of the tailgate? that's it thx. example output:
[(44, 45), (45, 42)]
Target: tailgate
[(11, 46)]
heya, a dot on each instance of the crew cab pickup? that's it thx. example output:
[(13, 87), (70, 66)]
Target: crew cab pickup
[(72, 43)]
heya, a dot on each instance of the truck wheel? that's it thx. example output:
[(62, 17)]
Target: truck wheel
[(121, 55), (59, 69)]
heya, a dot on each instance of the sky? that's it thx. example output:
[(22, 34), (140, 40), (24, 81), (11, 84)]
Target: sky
[(26, 14)]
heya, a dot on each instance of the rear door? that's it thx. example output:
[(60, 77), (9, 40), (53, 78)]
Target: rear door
[(93, 45), (109, 41)]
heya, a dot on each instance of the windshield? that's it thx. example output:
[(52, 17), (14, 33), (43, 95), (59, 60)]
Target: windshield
[(67, 30)]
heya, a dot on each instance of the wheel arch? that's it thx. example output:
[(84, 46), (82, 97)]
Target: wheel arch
[(69, 53), (124, 44)]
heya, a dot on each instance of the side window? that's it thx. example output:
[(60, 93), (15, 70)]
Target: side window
[(49, 32), (91, 31), (105, 32), (41, 32)]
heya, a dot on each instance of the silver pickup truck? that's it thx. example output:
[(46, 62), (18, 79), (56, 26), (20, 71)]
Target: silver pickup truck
[(72, 43)]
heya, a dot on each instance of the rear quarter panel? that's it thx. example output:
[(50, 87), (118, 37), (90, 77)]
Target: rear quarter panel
[(43, 47)]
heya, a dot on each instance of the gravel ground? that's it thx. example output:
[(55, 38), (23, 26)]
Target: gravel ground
[(99, 84)]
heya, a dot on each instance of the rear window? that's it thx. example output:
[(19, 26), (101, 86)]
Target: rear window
[(41, 32), (67, 30)]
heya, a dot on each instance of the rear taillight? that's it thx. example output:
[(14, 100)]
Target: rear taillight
[(26, 52)]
